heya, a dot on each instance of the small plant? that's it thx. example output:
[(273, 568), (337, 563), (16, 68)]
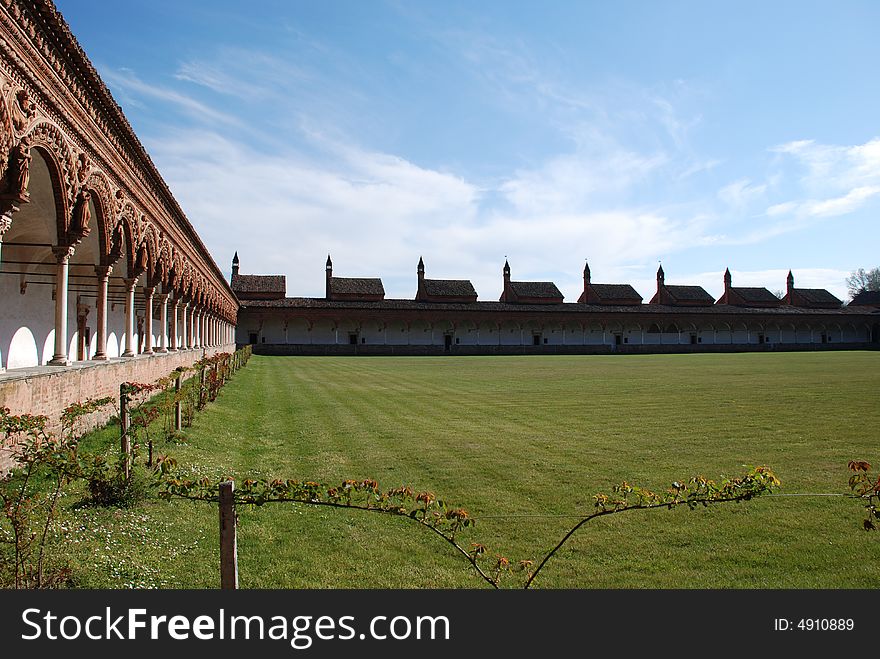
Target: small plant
[(30, 491), (867, 488)]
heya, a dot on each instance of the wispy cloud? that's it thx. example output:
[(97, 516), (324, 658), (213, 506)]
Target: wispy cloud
[(129, 84)]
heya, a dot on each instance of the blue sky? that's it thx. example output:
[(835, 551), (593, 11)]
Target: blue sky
[(705, 135)]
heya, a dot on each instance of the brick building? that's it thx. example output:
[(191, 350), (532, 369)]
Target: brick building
[(446, 316), (102, 277)]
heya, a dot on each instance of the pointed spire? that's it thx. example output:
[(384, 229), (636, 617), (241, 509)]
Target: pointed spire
[(328, 276), (586, 273), (661, 276), (421, 266), (235, 265), (506, 268), (789, 282), (728, 280), (235, 259)]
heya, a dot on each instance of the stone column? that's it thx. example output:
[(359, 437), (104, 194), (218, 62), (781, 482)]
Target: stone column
[(5, 223), (189, 326), (163, 323), (129, 317), (184, 326), (103, 274), (62, 256), (174, 326), (148, 319), (197, 328)]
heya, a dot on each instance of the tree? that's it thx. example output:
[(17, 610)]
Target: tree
[(863, 280)]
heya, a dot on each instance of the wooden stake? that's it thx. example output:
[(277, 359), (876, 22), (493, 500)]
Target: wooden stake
[(228, 543), (178, 411), (124, 426)]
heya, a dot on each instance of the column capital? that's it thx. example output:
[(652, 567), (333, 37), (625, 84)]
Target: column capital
[(130, 283), (162, 297), (5, 223), (103, 271), (63, 252), (149, 290)]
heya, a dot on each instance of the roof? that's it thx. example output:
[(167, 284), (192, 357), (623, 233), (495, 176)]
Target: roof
[(450, 288), (356, 286), (535, 289), (755, 294), (817, 296), (866, 298), (249, 284), (616, 292), (690, 293)]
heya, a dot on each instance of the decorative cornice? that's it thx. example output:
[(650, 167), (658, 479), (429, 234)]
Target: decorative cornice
[(49, 82)]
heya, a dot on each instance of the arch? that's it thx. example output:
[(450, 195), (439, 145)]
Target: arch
[(104, 210), (48, 140), (22, 352)]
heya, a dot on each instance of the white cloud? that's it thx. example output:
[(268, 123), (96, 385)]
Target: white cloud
[(284, 212), (128, 83), (852, 200), (741, 193)]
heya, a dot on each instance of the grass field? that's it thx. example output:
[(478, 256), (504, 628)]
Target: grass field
[(522, 443)]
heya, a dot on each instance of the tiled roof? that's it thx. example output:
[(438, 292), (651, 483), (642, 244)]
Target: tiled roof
[(259, 284), (535, 289), (449, 287), (616, 292), (867, 298), (356, 286), (755, 294), (692, 293), (818, 296)]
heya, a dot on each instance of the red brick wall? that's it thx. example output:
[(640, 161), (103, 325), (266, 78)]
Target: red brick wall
[(48, 390)]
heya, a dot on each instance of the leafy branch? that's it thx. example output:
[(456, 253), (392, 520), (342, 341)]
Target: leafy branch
[(448, 521)]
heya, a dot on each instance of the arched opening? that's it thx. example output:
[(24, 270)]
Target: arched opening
[(28, 269)]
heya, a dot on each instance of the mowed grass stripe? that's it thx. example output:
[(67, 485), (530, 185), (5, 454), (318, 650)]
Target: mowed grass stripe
[(539, 436)]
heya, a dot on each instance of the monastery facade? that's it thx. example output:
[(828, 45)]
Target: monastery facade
[(445, 316), (102, 277)]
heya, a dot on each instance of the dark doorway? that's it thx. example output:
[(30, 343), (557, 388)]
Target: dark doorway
[(536, 340), (252, 338), (618, 339), (447, 342), (352, 339)]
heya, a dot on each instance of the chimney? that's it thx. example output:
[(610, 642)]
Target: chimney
[(329, 268)]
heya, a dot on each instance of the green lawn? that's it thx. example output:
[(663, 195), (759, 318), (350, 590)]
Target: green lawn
[(521, 443)]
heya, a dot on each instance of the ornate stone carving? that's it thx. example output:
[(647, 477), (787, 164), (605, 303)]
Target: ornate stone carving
[(5, 223), (19, 173), (82, 214), (83, 167), (23, 111), (117, 240)]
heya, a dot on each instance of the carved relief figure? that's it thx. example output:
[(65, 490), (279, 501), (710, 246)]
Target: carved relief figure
[(21, 174), (116, 241), (83, 165), (79, 226), (24, 110)]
